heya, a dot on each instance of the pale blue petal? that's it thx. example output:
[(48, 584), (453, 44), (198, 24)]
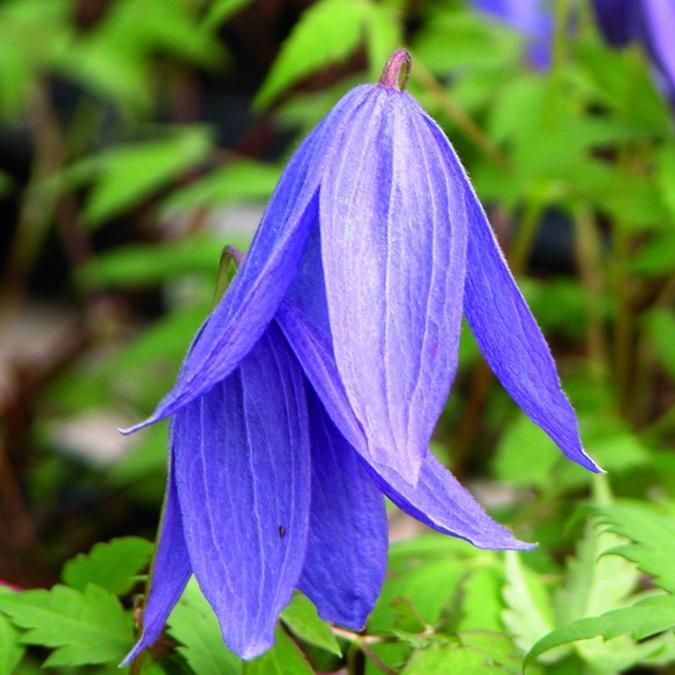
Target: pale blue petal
[(393, 246), (243, 313)]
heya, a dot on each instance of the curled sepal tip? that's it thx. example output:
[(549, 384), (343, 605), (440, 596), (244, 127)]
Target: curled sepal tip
[(397, 70), (230, 255)]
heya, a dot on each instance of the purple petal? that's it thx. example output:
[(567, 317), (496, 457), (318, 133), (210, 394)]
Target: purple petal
[(243, 480), (393, 233), (438, 499), (507, 333), (249, 304), (170, 569), (659, 26), (347, 547), (617, 19)]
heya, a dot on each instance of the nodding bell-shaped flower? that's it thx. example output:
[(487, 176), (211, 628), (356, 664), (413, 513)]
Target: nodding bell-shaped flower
[(314, 386)]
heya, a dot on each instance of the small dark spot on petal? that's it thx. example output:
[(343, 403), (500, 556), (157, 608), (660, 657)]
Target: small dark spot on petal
[(282, 531)]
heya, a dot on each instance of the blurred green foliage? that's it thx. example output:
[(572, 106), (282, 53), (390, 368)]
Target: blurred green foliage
[(128, 184)]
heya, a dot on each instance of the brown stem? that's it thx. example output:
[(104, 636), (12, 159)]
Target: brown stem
[(590, 269), (455, 112)]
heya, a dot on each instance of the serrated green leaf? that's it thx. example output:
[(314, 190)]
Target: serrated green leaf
[(302, 618), (196, 628), (128, 174), (595, 582), (112, 565), (283, 659), (481, 604), (450, 658), (653, 535), (649, 617), (416, 596), (84, 628), (11, 651), (498, 646), (528, 615), (314, 43)]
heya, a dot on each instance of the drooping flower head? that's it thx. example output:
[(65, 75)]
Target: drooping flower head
[(314, 386)]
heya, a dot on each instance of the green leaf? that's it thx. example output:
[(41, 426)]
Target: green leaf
[(451, 658), (666, 176), (314, 43), (481, 604), (464, 40), (221, 10), (237, 182), (112, 566), (416, 596), (648, 617), (660, 330), (653, 535), (383, 35), (85, 628), (301, 617), (11, 652), (130, 173), (595, 582), (528, 614), (655, 257), (525, 454), (283, 659), (140, 264), (195, 626)]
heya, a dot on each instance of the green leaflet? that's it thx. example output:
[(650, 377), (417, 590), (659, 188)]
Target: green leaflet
[(112, 566), (195, 626), (313, 44), (652, 534), (83, 628), (11, 651), (127, 174), (646, 618), (301, 617), (283, 659), (528, 614)]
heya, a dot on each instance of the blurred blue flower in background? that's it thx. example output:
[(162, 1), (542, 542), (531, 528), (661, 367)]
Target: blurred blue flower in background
[(532, 18), (315, 384), (649, 22)]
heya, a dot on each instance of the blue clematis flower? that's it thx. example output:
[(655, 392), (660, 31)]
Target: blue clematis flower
[(313, 388), (649, 22), (532, 18)]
